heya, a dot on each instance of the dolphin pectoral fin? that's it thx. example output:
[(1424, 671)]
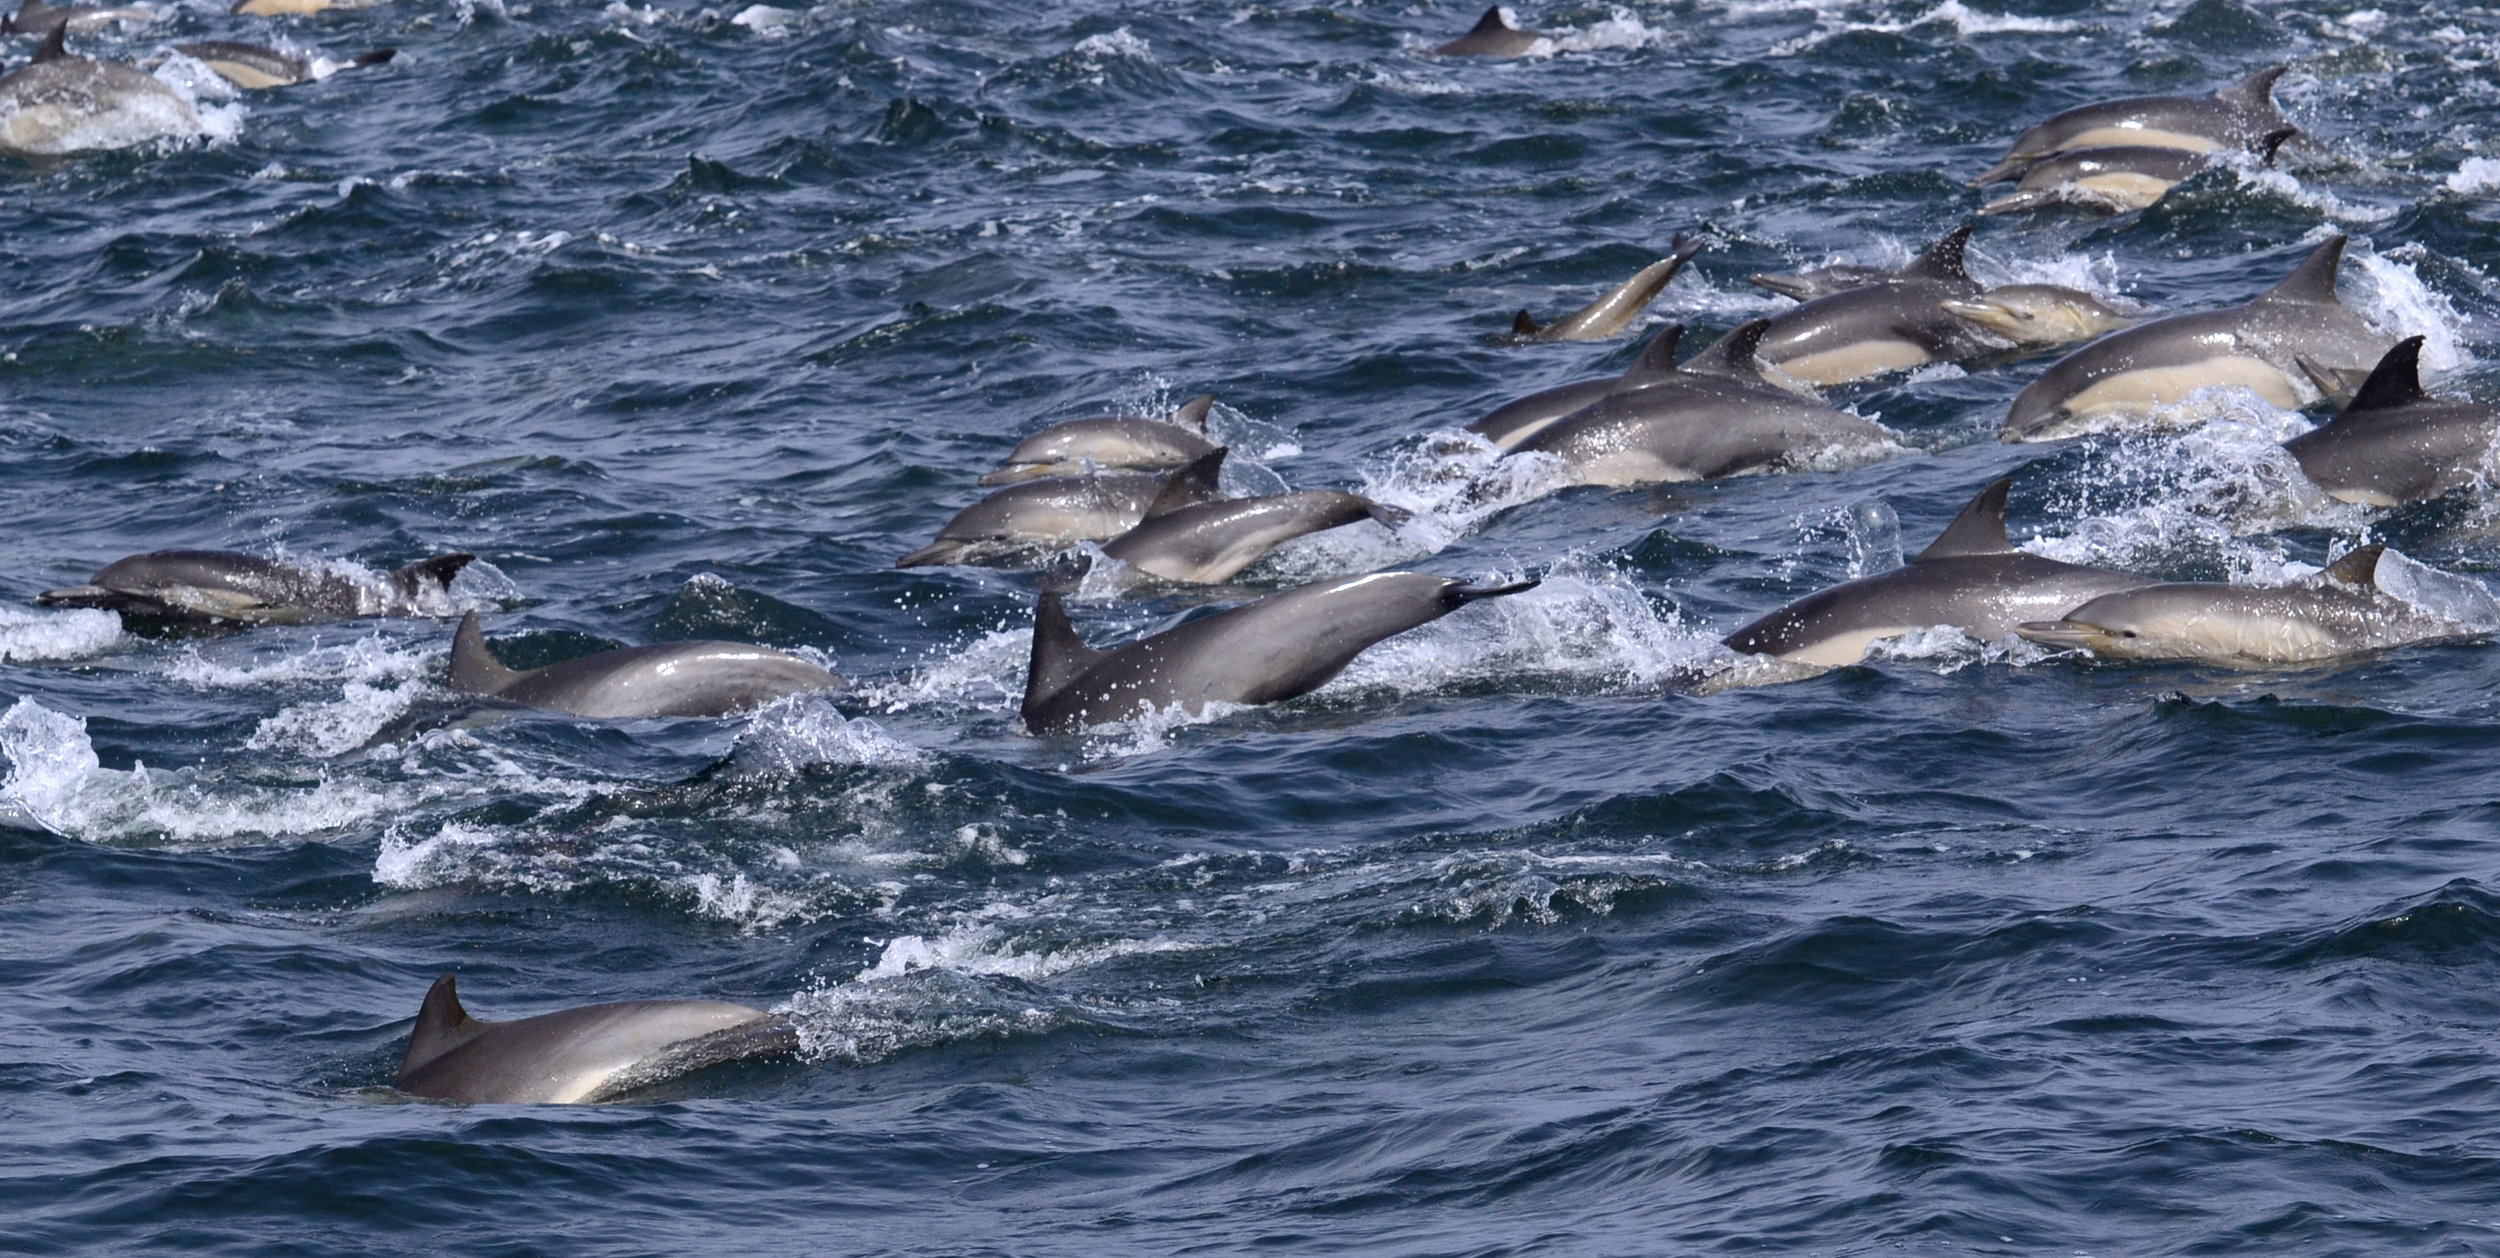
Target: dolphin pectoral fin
[(79, 596), (2338, 384), (2010, 168), (1194, 483), (474, 668)]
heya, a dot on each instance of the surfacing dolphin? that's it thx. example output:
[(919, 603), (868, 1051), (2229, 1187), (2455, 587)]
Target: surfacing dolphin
[(253, 66), (688, 679), (2396, 443), (1715, 416), (2274, 345), (1894, 325), (1211, 541), (1492, 36), (1821, 281), (1058, 511), (2034, 315), (213, 586), (1970, 578), (2238, 116), (59, 103), (1609, 315), (1075, 446), (2340, 612), (1266, 651), (34, 17), (574, 1056), (2117, 177)]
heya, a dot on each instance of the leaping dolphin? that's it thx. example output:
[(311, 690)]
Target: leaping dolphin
[(688, 679), (2396, 443), (2118, 177), (1970, 578), (2237, 116), (2339, 612), (1062, 510), (1492, 36), (588, 1054), (59, 103), (226, 586), (1111, 441), (1894, 325), (253, 67), (1609, 315), (1211, 541), (2273, 345), (1286, 644)]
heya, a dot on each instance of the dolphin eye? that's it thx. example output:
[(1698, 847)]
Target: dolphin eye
[(2126, 633)]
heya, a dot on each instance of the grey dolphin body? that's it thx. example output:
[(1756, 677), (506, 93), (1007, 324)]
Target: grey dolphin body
[(1715, 416), (1890, 326), (2273, 345), (224, 585), (1970, 578), (2396, 443), (2237, 116), (1063, 510), (253, 66), (1610, 314), (2031, 315), (1111, 441), (1491, 37), (689, 679), (1521, 418), (59, 103), (34, 17), (1821, 281), (2339, 612), (2119, 177), (577, 1055), (1211, 541), (1286, 644)]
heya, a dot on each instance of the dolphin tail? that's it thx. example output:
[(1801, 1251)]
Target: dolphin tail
[(474, 669), (376, 57), (1979, 530), (1388, 516), (1194, 483), (1458, 595), (2256, 91), (78, 596), (1192, 414), (2358, 568), (2313, 281), (430, 574), (1657, 360), (1059, 656), (442, 1025)]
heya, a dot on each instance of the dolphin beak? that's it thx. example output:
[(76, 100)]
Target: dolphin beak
[(2072, 635), (1014, 472), (1986, 314), (1781, 284), (937, 552), (2011, 167), (76, 596)]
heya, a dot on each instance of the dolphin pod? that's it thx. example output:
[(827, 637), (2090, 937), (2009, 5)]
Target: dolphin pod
[(680, 679), (579, 1055), (223, 586)]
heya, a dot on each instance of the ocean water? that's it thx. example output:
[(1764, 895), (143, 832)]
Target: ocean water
[(1548, 928)]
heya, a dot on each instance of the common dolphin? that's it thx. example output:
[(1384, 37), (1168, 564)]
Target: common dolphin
[(2237, 116), (692, 679), (1266, 651), (1821, 281), (2119, 177), (1521, 418), (1062, 510), (1891, 326), (2339, 612), (2396, 443), (1211, 541), (252, 66), (1970, 578), (577, 1055), (1609, 315), (1716, 416), (59, 103), (223, 585), (34, 17), (2032, 315), (1111, 441), (2271, 345), (1492, 36)]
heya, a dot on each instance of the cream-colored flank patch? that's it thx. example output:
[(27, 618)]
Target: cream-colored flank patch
[(1855, 362), (2148, 389), (2105, 137)]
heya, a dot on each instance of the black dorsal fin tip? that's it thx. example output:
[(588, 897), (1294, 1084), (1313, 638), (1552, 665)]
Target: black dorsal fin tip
[(2256, 89), (2360, 567), (1059, 657), (2395, 382), (2313, 280), (1193, 483), (442, 1025), (1523, 324), (1944, 259), (1657, 359), (55, 45), (1193, 413), (1979, 530), (1490, 23)]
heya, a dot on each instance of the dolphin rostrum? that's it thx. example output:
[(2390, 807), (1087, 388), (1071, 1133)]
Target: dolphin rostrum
[(1266, 651), (1893, 325), (691, 679), (1609, 315), (2238, 116), (2272, 345), (59, 103), (2395, 443), (223, 585), (1970, 578), (34, 17), (2118, 177), (1062, 510), (1111, 441), (2341, 611), (2031, 315), (591, 1053), (253, 66), (1492, 36), (1210, 541)]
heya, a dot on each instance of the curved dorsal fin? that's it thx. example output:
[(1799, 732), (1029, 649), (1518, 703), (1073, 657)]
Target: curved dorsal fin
[(1490, 23), (2255, 91), (2272, 141), (1059, 655), (1735, 354), (2313, 281), (2358, 568), (1192, 484), (1523, 324), (438, 572), (1943, 259), (2395, 382), (1979, 530), (1192, 414), (1657, 360), (442, 1025), (474, 669), (55, 46)]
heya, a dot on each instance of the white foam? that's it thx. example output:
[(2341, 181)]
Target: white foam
[(2394, 299), (1453, 482), (1118, 42), (1619, 29), (28, 637), (1970, 21), (2476, 176), (788, 735), (371, 658), (764, 19), (982, 948), (1585, 626), (337, 726)]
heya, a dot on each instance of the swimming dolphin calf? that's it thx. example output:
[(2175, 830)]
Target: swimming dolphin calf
[(2238, 116), (1970, 578), (34, 17), (2118, 177), (1286, 644), (2396, 443), (1111, 441), (253, 67), (2031, 315), (1492, 36), (2339, 612), (577, 1055), (59, 103), (1061, 510), (688, 679), (1608, 315), (223, 585), (1889, 326), (2272, 345), (1211, 541)]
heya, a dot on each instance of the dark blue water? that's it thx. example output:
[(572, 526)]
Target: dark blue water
[(1545, 929)]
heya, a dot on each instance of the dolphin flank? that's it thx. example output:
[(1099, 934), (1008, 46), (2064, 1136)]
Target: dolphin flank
[(685, 679), (1610, 314), (577, 1055), (227, 586), (2237, 116), (2339, 612)]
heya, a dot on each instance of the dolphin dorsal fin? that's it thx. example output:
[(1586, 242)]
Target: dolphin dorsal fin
[(2395, 382), (1943, 259), (1192, 414), (442, 1025), (2313, 281), (1490, 23), (437, 572), (55, 46), (1192, 484), (1736, 354), (1657, 360), (1979, 530), (1059, 655), (2272, 142), (2256, 91), (2358, 568), (474, 669), (1524, 324)]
